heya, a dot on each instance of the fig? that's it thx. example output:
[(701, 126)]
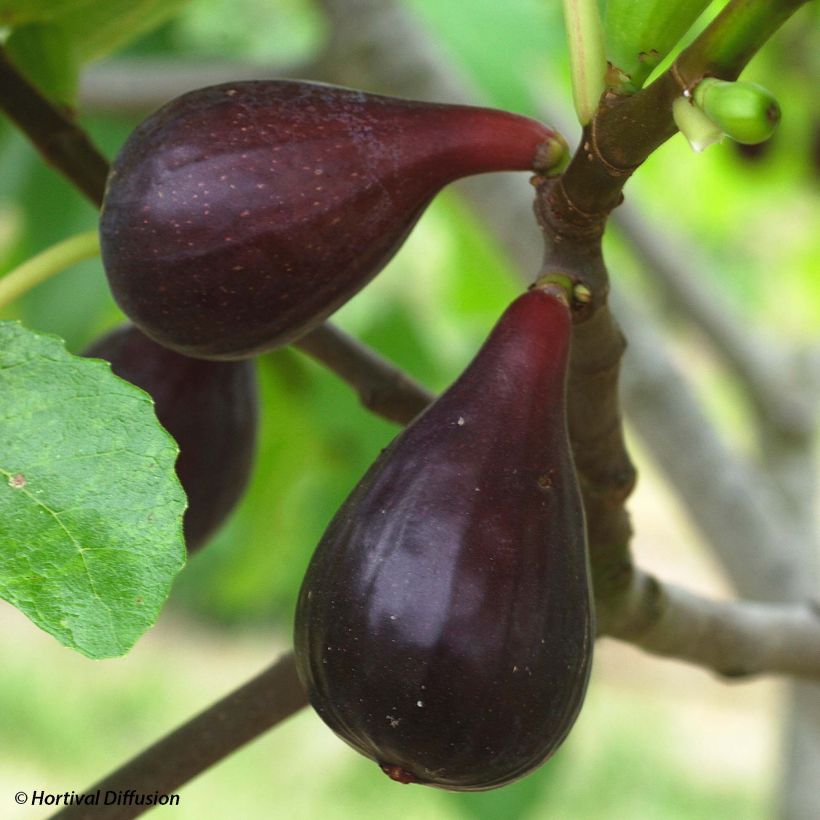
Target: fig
[(239, 216), (444, 627), (210, 409), (744, 111)]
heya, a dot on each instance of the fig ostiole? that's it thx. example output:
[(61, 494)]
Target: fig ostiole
[(210, 409), (444, 627), (238, 217)]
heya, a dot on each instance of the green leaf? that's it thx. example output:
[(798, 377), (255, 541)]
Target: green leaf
[(18, 12), (90, 506), (106, 25), (94, 27), (640, 33), (46, 55)]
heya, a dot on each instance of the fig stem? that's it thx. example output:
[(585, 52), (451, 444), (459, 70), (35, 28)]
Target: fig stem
[(553, 156), (383, 388), (557, 285), (46, 264)]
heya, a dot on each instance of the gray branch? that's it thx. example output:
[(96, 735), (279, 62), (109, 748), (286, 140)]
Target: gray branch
[(735, 639), (732, 503), (761, 365)]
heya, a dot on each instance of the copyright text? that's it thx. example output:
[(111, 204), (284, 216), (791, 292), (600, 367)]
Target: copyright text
[(109, 797)]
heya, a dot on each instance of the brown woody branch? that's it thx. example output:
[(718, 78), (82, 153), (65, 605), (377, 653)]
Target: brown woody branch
[(572, 211), (56, 136), (211, 736), (383, 388)]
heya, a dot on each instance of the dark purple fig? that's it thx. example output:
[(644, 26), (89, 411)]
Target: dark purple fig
[(210, 408), (445, 626), (239, 217)]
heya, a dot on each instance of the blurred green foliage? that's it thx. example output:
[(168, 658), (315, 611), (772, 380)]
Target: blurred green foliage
[(428, 311)]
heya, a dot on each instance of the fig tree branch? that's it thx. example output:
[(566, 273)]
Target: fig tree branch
[(733, 638), (761, 368), (383, 388), (53, 132), (734, 37), (736, 505), (211, 736)]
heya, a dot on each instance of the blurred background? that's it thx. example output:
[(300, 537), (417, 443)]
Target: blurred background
[(656, 739)]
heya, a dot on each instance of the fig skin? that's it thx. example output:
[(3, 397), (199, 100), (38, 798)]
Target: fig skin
[(210, 409), (239, 216), (445, 624)]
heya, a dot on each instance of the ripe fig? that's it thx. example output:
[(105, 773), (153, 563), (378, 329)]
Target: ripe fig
[(445, 626), (210, 408), (240, 216)]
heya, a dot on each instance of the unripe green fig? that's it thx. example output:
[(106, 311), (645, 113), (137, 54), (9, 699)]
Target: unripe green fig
[(210, 409), (444, 628), (746, 112), (239, 217)]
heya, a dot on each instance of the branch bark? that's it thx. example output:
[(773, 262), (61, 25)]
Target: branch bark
[(734, 639), (55, 135), (762, 368), (240, 717), (383, 388)]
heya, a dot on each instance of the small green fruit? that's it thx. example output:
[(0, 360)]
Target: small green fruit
[(746, 112)]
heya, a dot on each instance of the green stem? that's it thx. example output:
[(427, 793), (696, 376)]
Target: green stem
[(44, 265), (586, 55), (733, 38)]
